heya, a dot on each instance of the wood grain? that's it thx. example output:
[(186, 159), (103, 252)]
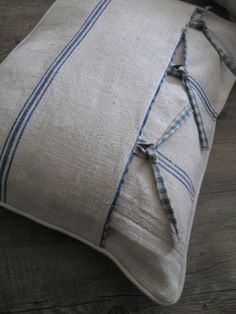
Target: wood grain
[(43, 271)]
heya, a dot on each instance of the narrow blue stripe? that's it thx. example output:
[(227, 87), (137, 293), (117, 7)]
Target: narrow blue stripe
[(204, 102), (34, 105), (12, 139), (51, 69), (178, 178), (181, 171), (189, 183), (206, 105), (136, 142), (178, 173), (170, 165), (204, 98)]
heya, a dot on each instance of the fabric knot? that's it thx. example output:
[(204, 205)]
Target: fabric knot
[(180, 72), (152, 154), (198, 24), (151, 151), (219, 46), (147, 150)]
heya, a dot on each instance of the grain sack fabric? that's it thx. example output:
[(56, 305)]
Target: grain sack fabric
[(107, 118)]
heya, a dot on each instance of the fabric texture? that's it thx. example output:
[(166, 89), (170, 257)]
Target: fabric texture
[(107, 117)]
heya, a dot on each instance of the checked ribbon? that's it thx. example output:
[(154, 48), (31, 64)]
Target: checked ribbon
[(223, 51), (179, 71), (150, 151)]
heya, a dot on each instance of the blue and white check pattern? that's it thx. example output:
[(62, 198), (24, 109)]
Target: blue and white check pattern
[(150, 150), (176, 124), (223, 51), (181, 73)]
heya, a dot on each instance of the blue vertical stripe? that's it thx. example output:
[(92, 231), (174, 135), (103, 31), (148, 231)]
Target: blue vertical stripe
[(204, 99), (18, 127), (179, 175)]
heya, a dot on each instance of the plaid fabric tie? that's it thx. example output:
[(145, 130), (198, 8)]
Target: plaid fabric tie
[(150, 151), (180, 72), (223, 51)]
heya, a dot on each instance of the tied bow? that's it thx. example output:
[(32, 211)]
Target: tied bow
[(179, 71), (151, 152), (223, 51)]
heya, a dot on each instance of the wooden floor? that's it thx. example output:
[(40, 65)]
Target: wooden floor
[(43, 271)]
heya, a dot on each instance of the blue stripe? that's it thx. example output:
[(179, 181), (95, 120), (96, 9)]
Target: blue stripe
[(52, 67), (174, 170), (41, 88), (178, 178), (205, 102), (179, 170), (203, 98)]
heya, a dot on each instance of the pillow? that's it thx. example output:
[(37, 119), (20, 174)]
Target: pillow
[(107, 119)]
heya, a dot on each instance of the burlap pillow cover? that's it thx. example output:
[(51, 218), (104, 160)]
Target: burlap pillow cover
[(107, 118)]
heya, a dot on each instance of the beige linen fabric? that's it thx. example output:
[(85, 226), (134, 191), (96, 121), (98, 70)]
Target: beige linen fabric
[(140, 236), (67, 159), (81, 134)]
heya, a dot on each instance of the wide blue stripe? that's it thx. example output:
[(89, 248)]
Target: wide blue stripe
[(188, 184), (32, 105), (178, 178)]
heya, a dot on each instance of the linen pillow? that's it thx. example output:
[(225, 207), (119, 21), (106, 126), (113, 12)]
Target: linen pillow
[(107, 118)]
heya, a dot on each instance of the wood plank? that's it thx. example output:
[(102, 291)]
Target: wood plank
[(17, 18), (221, 174), (43, 271)]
